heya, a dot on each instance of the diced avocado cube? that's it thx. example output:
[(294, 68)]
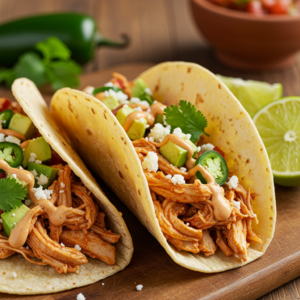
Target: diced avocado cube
[(23, 125), (159, 119), (123, 113), (49, 172), (40, 147), (137, 129), (138, 88), (11, 218), (111, 102), (176, 155), (193, 146)]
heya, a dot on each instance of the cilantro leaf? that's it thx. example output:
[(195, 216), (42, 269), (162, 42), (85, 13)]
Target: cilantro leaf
[(30, 65), (187, 118), (63, 73), (11, 194), (53, 48)]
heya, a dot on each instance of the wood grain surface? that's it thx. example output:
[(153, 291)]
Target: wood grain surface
[(163, 30)]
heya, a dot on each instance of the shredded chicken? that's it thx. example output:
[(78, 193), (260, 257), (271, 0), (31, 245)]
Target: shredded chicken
[(186, 215)]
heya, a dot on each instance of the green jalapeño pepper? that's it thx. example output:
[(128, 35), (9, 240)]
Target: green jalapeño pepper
[(215, 164), (11, 153), (105, 88), (5, 117), (78, 31)]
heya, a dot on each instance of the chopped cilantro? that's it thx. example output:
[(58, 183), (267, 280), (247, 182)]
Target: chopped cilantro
[(52, 65), (187, 118), (11, 194)]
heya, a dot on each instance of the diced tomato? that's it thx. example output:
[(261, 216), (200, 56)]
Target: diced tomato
[(280, 7), (2, 175), (120, 82), (255, 7), (217, 149), (115, 111), (268, 3), (55, 159), (4, 104), (198, 154)]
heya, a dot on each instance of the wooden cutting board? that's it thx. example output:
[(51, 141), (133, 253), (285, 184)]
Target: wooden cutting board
[(163, 279)]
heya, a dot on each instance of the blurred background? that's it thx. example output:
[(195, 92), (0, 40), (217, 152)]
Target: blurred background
[(159, 30)]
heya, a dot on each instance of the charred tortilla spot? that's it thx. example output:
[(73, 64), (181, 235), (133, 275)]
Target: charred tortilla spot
[(104, 116), (89, 132), (139, 192), (219, 86), (121, 175), (189, 69), (126, 167), (247, 161), (93, 110), (70, 107), (199, 99), (267, 169)]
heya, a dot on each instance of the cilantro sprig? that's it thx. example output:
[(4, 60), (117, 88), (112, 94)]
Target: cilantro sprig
[(187, 118), (50, 64), (11, 194)]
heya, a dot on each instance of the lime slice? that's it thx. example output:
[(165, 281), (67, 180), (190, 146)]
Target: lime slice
[(278, 124), (252, 94)]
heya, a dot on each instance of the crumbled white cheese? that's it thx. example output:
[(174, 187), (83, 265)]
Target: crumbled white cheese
[(13, 139), (148, 110), (125, 105), (237, 204), (89, 90), (37, 161), (77, 247), (179, 133), (148, 91), (139, 287), (150, 162), (139, 101), (62, 185), (183, 169), (39, 193), (109, 84), (62, 244), (198, 148), (61, 191), (14, 176), (151, 139), (42, 179), (14, 274), (102, 283), (147, 125), (146, 139), (207, 147), (158, 132), (15, 223), (233, 182), (138, 108), (77, 271), (13, 214), (28, 202), (80, 297), (2, 137), (169, 176), (187, 224), (178, 179), (120, 96), (0, 220), (34, 173), (32, 157), (20, 167)]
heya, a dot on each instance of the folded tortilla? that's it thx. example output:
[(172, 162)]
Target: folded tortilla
[(34, 279), (103, 144)]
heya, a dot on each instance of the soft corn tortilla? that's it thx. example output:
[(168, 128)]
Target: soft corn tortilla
[(33, 279), (111, 154)]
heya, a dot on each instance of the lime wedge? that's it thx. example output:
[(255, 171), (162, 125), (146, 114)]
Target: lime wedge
[(278, 124), (252, 94)]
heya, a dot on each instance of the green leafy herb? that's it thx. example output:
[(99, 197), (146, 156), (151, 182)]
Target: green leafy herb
[(11, 194), (187, 118), (53, 66)]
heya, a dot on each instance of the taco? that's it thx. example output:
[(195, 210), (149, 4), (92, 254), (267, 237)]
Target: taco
[(58, 229), (190, 164)]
